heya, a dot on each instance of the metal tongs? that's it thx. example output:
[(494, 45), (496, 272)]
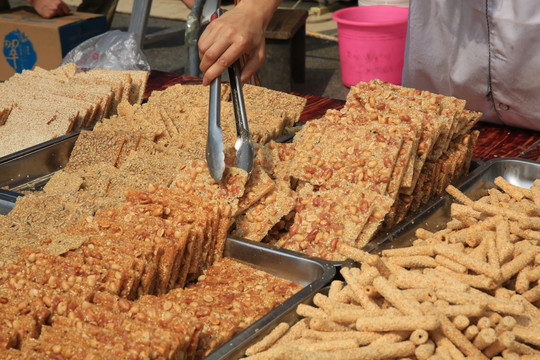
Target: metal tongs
[(215, 156)]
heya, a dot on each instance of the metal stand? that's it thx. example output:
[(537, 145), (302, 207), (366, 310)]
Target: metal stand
[(139, 20)]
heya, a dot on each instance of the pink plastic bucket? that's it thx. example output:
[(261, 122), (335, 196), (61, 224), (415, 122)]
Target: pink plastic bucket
[(371, 43)]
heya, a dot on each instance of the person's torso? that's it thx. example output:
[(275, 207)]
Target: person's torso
[(484, 51)]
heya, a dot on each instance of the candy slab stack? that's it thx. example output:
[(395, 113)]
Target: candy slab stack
[(387, 152), (47, 312), (39, 105), (133, 228), (121, 254), (345, 176)]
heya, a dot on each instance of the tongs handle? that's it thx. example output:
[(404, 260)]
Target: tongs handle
[(215, 157), (214, 108), (244, 142), (242, 127)]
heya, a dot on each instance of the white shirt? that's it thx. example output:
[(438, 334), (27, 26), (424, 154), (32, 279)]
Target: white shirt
[(484, 51)]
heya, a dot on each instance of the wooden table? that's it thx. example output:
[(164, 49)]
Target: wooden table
[(285, 49), (494, 141)]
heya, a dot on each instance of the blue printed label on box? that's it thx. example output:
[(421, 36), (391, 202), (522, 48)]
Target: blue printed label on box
[(19, 51)]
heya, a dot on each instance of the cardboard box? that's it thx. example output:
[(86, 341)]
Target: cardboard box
[(28, 40)]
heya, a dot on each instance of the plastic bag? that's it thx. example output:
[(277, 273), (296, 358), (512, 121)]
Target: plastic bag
[(115, 50)]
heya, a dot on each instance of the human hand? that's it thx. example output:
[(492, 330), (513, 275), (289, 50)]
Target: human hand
[(240, 31), (50, 8), (188, 3)]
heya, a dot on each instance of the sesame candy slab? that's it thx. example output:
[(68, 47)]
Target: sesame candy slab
[(155, 168), (287, 106), (258, 185), (94, 147), (62, 182)]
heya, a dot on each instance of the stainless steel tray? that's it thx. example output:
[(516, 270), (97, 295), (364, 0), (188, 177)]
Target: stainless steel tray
[(434, 217), (35, 165), (7, 201), (311, 274)]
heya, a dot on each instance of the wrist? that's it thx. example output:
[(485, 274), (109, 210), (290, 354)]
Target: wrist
[(261, 9)]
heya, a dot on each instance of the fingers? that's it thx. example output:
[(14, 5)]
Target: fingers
[(222, 52), (50, 8), (227, 38), (188, 3), (252, 64), (63, 9)]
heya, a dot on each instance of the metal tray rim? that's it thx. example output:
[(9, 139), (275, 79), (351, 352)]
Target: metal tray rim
[(37, 147), (412, 221), (273, 317)]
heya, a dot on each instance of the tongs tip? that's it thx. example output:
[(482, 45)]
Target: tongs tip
[(245, 154)]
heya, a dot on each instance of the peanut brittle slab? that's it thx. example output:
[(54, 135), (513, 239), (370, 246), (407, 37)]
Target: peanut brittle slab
[(405, 104), (329, 153), (451, 109), (402, 172), (466, 121), (257, 221), (368, 104), (282, 155), (148, 223), (381, 207), (70, 345), (206, 221), (195, 178), (324, 216), (263, 156), (103, 232), (445, 109), (226, 285)]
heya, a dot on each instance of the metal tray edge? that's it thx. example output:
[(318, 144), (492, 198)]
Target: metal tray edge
[(415, 219), (265, 324)]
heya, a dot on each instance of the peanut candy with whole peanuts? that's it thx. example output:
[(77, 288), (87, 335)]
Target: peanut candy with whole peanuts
[(332, 153), (258, 220), (195, 178), (325, 217)]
